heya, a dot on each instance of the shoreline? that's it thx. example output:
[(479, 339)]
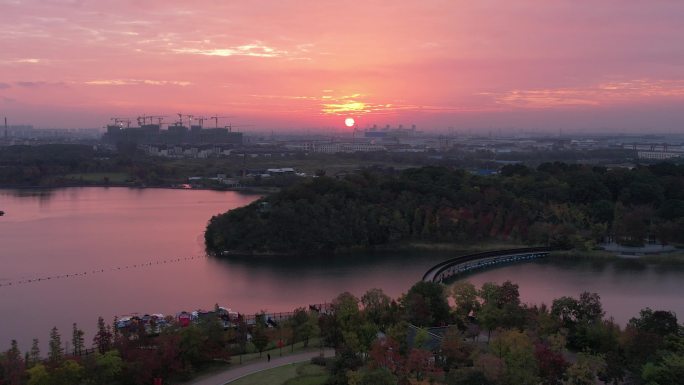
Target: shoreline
[(458, 248), (249, 190), (670, 257), (397, 247)]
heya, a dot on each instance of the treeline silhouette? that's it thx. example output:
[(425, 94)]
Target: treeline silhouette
[(555, 204)]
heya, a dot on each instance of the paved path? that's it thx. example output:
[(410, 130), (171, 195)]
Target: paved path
[(233, 374)]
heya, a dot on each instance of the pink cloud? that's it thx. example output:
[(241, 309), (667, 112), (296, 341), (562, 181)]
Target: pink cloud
[(435, 61)]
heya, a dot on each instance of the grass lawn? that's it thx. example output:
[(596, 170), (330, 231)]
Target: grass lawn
[(302, 373), (314, 344), (236, 361)]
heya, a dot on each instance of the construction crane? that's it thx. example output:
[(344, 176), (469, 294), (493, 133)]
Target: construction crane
[(201, 120), (142, 118), (216, 118), (159, 118), (119, 121)]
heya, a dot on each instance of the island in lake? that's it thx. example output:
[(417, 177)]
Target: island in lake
[(556, 204)]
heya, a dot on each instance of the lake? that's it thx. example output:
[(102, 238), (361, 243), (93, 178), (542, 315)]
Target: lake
[(141, 251)]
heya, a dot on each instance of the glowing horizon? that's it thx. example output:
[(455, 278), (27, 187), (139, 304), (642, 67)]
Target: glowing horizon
[(612, 65)]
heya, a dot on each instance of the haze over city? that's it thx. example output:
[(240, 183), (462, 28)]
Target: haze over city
[(608, 66)]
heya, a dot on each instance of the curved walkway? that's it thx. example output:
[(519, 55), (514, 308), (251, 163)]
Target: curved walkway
[(232, 374), (449, 268)]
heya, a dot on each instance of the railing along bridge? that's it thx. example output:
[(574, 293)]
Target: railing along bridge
[(462, 264)]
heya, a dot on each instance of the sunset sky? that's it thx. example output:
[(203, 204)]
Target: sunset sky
[(609, 65)]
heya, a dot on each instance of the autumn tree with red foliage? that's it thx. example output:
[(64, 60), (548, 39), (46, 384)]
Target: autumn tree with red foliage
[(551, 364), (385, 354)]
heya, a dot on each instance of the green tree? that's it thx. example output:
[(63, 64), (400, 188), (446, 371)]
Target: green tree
[(192, 346), (500, 306), (103, 337), (589, 307), (311, 328), (56, 352), (260, 339), (585, 370), (344, 362), (39, 375), (581, 317), (426, 304), (214, 337), (465, 296), (421, 338), (346, 309), (516, 351), (657, 322), (669, 370), (34, 354), (490, 316), (69, 373), (77, 340), (376, 306), (105, 368), (367, 333), (331, 332), (303, 325), (13, 366)]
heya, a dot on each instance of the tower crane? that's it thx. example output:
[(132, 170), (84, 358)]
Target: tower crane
[(216, 118), (159, 118), (180, 119), (119, 121), (201, 120)]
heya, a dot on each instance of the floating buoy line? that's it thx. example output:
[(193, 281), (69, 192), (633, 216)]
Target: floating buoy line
[(99, 271)]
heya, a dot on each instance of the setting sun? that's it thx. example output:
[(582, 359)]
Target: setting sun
[(349, 122)]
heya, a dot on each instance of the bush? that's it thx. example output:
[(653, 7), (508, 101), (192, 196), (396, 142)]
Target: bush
[(320, 361)]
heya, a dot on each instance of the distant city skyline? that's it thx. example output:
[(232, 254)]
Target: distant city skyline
[(282, 65)]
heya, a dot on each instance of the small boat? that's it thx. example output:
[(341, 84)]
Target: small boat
[(2, 213)]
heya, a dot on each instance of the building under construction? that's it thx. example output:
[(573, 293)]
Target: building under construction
[(147, 131)]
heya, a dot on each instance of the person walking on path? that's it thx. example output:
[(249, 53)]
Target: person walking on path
[(268, 357)]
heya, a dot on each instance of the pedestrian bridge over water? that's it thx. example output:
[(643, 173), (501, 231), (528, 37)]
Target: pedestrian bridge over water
[(465, 263)]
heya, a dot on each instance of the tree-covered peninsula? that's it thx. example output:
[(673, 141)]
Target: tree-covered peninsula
[(555, 204)]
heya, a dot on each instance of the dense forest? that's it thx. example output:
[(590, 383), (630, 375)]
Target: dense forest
[(572, 206), (487, 337)]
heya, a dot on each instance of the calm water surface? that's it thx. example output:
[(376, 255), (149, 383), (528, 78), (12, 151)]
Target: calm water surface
[(625, 286), (51, 233)]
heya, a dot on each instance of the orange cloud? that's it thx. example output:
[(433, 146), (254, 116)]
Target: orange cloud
[(134, 82), (601, 94), (253, 49)]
